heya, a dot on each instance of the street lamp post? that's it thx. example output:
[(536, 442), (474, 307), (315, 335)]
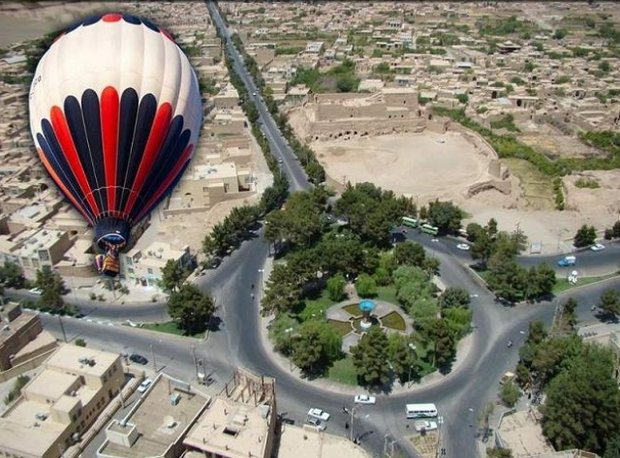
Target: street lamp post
[(352, 413), (412, 348)]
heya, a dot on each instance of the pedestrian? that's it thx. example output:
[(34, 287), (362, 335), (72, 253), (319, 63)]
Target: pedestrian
[(346, 425)]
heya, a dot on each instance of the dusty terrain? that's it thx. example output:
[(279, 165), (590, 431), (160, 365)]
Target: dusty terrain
[(418, 165)]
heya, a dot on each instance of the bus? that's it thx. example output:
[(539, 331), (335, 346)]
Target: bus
[(428, 229), (421, 410), (411, 222)]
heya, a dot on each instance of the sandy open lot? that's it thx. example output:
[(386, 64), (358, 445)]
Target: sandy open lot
[(415, 164)]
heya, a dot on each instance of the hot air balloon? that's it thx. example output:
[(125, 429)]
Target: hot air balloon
[(115, 112)]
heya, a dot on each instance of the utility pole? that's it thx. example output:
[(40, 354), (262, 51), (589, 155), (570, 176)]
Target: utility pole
[(194, 357), (62, 328), (153, 356), (352, 412)]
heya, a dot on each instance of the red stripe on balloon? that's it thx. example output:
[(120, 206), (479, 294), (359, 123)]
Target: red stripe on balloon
[(61, 185), (163, 187), (112, 17), (158, 132), (61, 129), (109, 134)]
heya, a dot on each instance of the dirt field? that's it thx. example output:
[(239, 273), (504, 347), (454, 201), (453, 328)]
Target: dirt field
[(414, 164)]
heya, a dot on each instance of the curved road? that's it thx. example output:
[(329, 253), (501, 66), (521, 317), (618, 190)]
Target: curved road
[(460, 396)]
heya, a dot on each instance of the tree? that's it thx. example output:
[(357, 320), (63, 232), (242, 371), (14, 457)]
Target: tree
[(371, 359), (615, 230), (474, 230), (281, 331), (583, 403), (445, 216), (366, 286), (482, 246), (409, 254), (80, 342), (191, 309), (539, 282), (283, 290), (445, 344), (612, 450), (52, 288), (172, 276), (510, 394), (11, 275), (454, 296), (506, 278), (315, 347), (335, 287), (402, 357), (491, 227), (585, 236), (609, 303)]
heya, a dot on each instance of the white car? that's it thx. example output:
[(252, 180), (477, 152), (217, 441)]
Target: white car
[(597, 247), (36, 290), (318, 424), (463, 246), (145, 385), (364, 399), (425, 425), (318, 413)]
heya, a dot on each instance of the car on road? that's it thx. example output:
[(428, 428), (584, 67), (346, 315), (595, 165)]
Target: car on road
[(318, 424), (35, 291), (145, 385), (425, 425), (463, 246), (597, 247), (138, 359), (364, 399), (254, 94), (567, 261), (318, 413)]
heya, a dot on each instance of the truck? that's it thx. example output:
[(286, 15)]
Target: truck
[(567, 261)]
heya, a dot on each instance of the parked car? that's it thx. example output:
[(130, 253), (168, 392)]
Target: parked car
[(318, 413), (145, 385), (139, 359), (364, 399), (597, 247), (463, 246), (35, 291), (318, 424), (567, 261), (425, 425)]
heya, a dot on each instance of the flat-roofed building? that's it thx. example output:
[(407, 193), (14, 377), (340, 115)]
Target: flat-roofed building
[(145, 266), (44, 247), (239, 423), (58, 405), (156, 425), (316, 444)]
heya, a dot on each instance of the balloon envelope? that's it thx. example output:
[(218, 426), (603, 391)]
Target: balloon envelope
[(115, 112)]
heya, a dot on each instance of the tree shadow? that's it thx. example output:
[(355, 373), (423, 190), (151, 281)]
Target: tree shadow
[(605, 317), (213, 325)]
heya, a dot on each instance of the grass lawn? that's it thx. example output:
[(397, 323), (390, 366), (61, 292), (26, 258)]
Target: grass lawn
[(343, 372), (316, 306), (169, 327), (352, 309), (341, 327), (563, 284), (387, 294), (393, 320)]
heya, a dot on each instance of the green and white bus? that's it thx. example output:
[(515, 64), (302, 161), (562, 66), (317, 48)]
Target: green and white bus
[(428, 229), (407, 221)]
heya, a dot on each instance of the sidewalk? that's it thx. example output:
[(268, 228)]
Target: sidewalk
[(285, 365), (83, 288)]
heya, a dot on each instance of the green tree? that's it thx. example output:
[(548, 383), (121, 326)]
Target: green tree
[(52, 288), (281, 331), (612, 449), (366, 286), (444, 344), (583, 403), (454, 296), (335, 287), (585, 236), (499, 453), (191, 309), (539, 282), (403, 357), (80, 342), (315, 347), (371, 359), (615, 230), (482, 248), (510, 394), (172, 276), (609, 303), (445, 216), (11, 275), (409, 253)]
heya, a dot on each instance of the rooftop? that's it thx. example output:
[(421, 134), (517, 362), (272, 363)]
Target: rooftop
[(315, 445)]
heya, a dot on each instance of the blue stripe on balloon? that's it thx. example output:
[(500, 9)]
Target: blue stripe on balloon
[(92, 124), (73, 113), (144, 121), (90, 20), (150, 25), (131, 19), (127, 123)]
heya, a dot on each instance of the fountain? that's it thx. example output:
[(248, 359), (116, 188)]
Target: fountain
[(366, 307)]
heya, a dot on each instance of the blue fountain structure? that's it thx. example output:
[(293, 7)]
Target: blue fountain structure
[(366, 307)]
